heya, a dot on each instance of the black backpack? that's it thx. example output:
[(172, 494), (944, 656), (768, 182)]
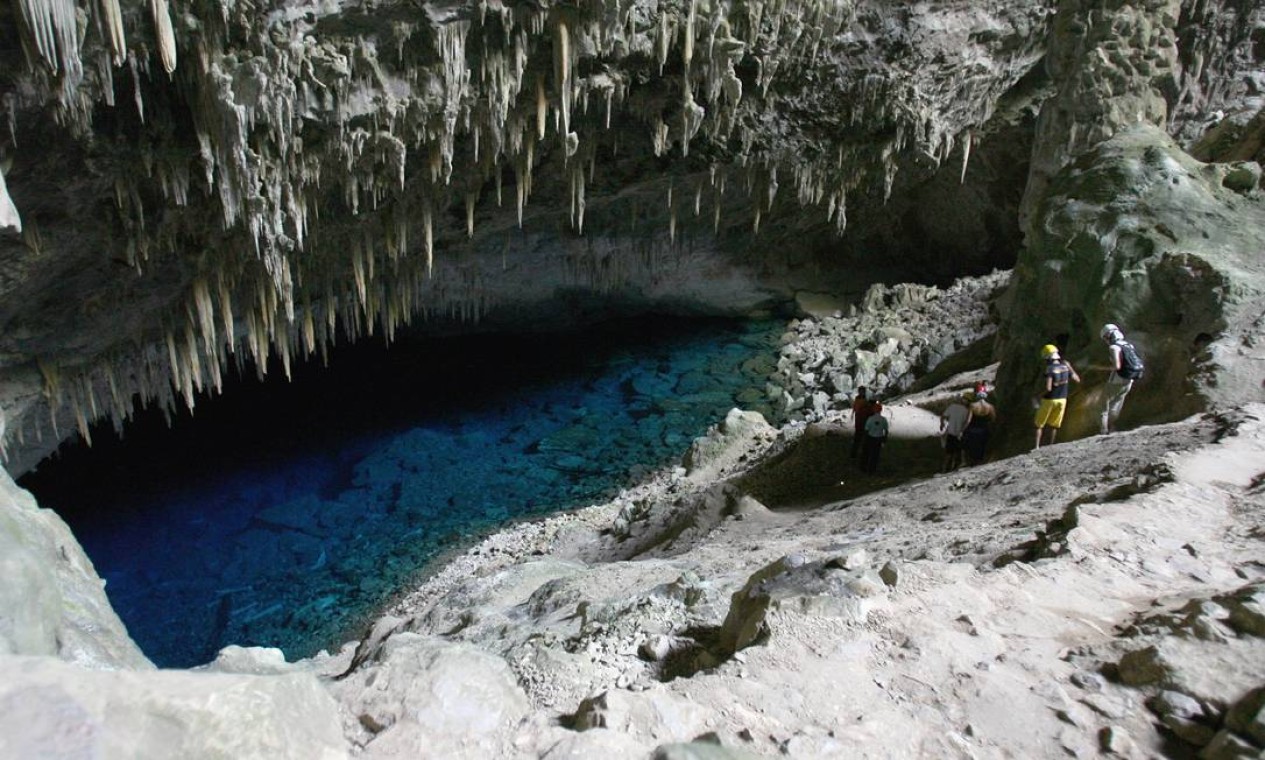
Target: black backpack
[(1131, 366)]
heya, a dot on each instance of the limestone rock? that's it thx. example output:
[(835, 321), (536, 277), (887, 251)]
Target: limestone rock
[(890, 573), (250, 660), (422, 695), (1227, 746), (655, 714), (54, 603), (1138, 233), (1247, 716), (1243, 177), (700, 751), (597, 742), (51, 708), (722, 445), (1145, 666), (1247, 610), (789, 586)]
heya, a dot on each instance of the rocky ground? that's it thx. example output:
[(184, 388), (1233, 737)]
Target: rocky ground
[(765, 598), (1104, 596)]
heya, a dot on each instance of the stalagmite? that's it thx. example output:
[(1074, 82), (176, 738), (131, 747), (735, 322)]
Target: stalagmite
[(166, 35)]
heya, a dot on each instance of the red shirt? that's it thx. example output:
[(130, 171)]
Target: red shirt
[(861, 408)]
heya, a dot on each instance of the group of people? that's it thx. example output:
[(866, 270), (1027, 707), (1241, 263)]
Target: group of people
[(966, 422), (965, 427), (870, 428), (1124, 365)]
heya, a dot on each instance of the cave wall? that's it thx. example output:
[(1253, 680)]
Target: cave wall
[(1138, 233)]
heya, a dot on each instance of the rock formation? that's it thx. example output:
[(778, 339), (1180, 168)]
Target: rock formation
[(1138, 233)]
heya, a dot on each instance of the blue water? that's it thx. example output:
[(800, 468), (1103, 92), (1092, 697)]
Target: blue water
[(287, 514)]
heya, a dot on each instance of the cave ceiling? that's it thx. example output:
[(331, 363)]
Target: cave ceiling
[(187, 185)]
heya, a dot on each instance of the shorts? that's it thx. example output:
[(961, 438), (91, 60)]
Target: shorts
[(952, 444), (1051, 413)]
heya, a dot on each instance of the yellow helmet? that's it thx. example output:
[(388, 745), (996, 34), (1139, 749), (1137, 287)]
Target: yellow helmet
[(1049, 350)]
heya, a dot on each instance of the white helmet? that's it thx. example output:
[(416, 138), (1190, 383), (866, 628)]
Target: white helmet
[(1111, 333)]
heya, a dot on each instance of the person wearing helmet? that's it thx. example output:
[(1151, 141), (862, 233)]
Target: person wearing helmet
[(1058, 377), (1125, 367)]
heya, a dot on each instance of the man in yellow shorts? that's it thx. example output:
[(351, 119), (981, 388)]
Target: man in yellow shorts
[(1058, 376)]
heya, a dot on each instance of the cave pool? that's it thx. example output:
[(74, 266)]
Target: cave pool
[(286, 514)]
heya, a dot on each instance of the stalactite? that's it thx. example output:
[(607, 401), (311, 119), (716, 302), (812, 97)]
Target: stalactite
[(52, 30), (687, 53), (966, 156), (192, 361), (161, 11), (563, 53), (542, 109), (428, 238), (112, 28), (9, 217), (205, 312), (226, 312), (661, 41)]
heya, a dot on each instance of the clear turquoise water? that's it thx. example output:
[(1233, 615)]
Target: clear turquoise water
[(286, 514)]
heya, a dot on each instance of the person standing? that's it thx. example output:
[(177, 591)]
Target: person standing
[(979, 421), (1058, 377), (1125, 366), (875, 436), (860, 410), (952, 422)]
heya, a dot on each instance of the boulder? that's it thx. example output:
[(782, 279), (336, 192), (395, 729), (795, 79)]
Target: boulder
[(423, 696), (791, 586), (725, 444), (655, 714), (1247, 716), (53, 601), (50, 708), (596, 742), (700, 751)]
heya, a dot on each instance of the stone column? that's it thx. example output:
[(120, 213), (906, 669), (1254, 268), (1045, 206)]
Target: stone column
[(1115, 64)]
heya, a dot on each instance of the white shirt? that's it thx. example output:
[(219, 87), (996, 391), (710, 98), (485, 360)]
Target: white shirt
[(955, 419)]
